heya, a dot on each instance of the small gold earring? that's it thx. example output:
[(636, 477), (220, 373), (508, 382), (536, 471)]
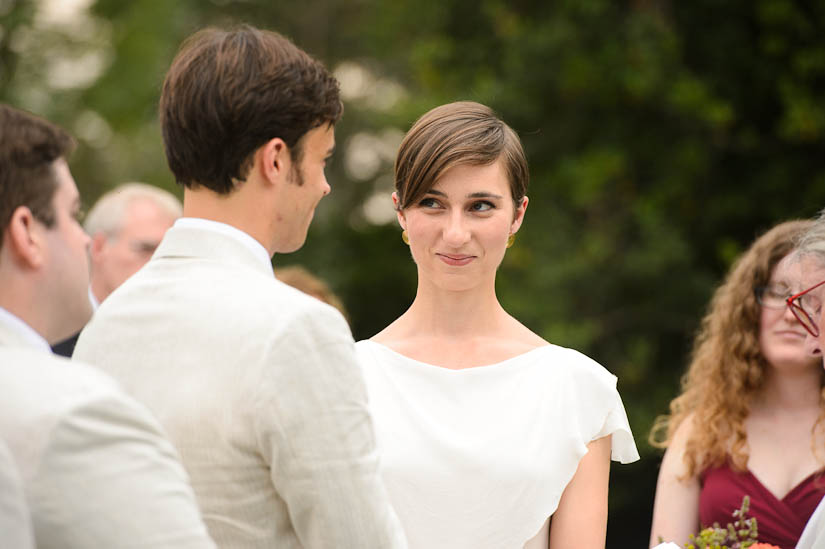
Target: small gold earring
[(404, 237), (511, 240)]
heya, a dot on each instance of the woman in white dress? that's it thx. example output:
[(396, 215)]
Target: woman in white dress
[(491, 437)]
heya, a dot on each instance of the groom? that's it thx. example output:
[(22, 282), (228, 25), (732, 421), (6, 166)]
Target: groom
[(255, 383)]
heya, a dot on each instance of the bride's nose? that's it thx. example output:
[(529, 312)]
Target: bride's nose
[(456, 231)]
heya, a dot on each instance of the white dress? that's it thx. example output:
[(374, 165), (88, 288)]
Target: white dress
[(478, 458)]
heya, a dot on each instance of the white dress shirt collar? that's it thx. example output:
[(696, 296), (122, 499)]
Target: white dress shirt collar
[(93, 300), (27, 332), (216, 226)]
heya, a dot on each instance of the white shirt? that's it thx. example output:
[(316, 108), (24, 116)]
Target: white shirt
[(26, 332), (93, 300)]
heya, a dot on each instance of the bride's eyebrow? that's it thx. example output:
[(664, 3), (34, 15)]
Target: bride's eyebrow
[(484, 194)]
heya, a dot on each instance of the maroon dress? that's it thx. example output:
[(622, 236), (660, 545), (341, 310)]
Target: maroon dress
[(780, 521)]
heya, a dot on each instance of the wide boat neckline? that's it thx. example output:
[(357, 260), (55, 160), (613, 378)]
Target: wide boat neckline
[(480, 367)]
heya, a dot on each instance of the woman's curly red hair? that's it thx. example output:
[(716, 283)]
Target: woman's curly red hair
[(727, 366)]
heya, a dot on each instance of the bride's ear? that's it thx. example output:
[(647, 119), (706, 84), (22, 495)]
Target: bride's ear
[(398, 211), (518, 219)]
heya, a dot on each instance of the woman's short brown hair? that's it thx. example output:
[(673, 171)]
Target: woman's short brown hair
[(461, 133), (227, 93)]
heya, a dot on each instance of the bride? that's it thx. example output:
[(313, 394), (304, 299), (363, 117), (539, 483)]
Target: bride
[(491, 437)]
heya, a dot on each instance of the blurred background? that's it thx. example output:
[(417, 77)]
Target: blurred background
[(663, 136)]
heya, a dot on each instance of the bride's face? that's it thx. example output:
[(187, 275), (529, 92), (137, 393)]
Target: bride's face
[(458, 230)]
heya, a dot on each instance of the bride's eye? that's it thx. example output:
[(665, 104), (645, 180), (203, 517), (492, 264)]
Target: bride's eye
[(482, 206), (428, 202)]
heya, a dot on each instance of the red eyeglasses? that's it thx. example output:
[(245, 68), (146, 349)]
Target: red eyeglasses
[(805, 306)]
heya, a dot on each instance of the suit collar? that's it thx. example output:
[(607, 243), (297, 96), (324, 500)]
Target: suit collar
[(14, 332), (204, 243)]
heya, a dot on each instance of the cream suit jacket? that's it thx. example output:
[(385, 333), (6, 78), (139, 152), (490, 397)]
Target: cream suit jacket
[(15, 523), (95, 467), (257, 386)]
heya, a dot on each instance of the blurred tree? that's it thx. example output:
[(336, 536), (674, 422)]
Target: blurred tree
[(662, 136)]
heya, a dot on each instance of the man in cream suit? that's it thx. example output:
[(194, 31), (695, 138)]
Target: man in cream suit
[(93, 464), (256, 383)]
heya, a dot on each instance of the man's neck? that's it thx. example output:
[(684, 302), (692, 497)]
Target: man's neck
[(233, 209), (18, 296)]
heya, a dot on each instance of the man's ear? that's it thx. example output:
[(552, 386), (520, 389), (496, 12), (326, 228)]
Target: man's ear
[(398, 211), (98, 245), (273, 159), (25, 238)]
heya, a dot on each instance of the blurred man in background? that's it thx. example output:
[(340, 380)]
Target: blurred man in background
[(126, 225)]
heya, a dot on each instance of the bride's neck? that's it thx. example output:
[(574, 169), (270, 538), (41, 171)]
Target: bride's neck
[(471, 312)]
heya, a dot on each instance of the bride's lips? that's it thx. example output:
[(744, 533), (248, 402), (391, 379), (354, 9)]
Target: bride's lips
[(456, 260)]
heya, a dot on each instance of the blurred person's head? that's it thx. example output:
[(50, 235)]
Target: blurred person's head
[(463, 133), (44, 268), (298, 277), (248, 124), (810, 256), (126, 225), (747, 333)]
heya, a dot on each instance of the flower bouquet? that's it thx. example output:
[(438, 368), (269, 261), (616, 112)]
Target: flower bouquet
[(739, 534)]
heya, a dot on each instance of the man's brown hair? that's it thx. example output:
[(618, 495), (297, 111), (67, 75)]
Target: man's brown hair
[(228, 92), (29, 145), (461, 133)]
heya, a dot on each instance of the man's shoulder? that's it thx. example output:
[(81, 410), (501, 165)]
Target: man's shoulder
[(40, 383), (42, 395), (304, 312), (223, 299), (270, 302)]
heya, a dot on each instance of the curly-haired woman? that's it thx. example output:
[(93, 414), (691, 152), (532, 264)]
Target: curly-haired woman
[(749, 419)]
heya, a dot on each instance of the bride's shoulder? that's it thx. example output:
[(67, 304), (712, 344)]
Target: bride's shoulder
[(572, 361)]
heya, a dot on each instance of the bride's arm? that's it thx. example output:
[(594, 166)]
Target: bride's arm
[(581, 518)]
